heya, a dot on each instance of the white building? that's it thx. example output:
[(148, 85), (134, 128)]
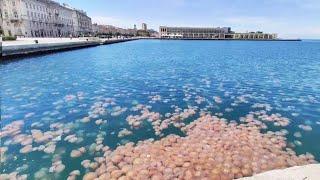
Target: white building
[(82, 23), (210, 33), (1, 22), (11, 18), (40, 18)]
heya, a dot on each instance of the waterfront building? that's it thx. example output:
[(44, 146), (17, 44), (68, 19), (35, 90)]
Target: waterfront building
[(209, 33), (95, 28), (63, 21), (143, 33), (116, 31), (131, 32), (153, 33), (109, 29), (82, 23), (254, 35), (1, 27), (42, 18), (144, 27)]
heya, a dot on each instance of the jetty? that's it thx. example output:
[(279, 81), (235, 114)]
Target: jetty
[(32, 46)]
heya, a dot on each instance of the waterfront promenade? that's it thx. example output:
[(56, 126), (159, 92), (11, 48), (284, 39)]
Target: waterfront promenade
[(30, 46), (310, 172), (31, 41)]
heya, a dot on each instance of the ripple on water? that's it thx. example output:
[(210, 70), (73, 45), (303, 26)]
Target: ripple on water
[(78, 108)]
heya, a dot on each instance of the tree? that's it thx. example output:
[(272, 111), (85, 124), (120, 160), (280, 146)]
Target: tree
[(143, 33), (109, 34)]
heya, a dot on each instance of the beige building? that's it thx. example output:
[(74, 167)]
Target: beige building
[(209, 33), (41, 18)]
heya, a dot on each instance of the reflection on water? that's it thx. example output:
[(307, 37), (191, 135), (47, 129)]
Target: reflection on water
[(63, 115)]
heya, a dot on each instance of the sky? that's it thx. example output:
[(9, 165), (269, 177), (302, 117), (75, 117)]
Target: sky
[(287, 18)]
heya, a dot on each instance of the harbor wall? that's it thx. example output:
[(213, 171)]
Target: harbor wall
[(307, 172), (21, 50)]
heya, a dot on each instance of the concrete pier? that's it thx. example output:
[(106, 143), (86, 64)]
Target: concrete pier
[(27, 46), (307, 172), (113, 41), (24, 50)]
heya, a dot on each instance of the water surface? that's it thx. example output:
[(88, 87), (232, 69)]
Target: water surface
[(64, 87)]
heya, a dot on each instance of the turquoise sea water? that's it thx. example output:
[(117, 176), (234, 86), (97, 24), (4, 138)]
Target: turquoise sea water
[(63, 88)]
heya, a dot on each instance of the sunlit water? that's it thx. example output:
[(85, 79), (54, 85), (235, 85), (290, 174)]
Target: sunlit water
[(63, 87)]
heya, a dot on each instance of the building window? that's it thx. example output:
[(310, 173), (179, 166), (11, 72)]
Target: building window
[(15, 14)]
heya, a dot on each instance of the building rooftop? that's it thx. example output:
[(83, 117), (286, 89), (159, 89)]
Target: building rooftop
[(193, 27)]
